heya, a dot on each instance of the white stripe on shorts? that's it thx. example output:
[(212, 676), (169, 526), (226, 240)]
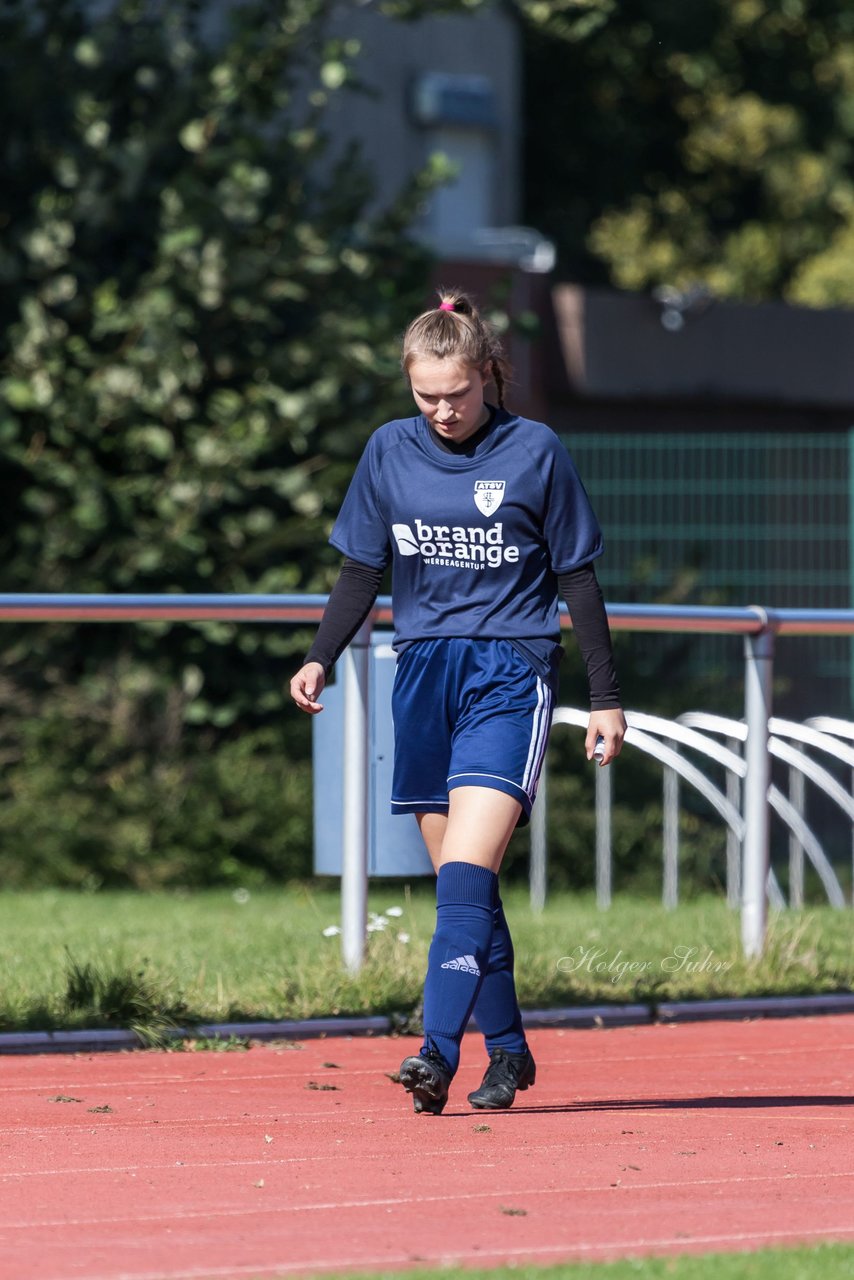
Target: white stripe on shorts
[(539, 739), (474, 773)]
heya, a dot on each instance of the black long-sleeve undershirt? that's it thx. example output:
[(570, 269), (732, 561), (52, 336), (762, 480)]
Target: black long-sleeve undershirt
[(350, 602), (353, 596), (583, 595)]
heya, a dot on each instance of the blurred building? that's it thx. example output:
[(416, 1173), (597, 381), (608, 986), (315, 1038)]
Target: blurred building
[(717, 440), (448, 85)]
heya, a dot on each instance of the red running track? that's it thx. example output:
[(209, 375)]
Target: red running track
[(305, 1159)]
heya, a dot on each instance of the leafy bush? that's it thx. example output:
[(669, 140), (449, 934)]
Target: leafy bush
[(198, 329)]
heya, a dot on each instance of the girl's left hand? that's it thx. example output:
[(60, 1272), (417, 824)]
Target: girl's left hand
[(611, 727)]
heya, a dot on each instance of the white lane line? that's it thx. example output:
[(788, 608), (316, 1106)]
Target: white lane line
[(745, 1055), (527, 1147), (775, 1103), (323, 1206), (621, 1248)]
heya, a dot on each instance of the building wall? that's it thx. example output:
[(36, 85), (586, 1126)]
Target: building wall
[(634, 347), (473, 112)]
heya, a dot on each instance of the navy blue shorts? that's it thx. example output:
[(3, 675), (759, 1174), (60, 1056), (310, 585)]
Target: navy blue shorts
[(467, 713)]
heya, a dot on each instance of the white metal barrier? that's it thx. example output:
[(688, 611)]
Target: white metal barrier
[(661, 739)]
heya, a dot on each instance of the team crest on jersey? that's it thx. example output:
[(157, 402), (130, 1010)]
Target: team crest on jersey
[(488, 496)]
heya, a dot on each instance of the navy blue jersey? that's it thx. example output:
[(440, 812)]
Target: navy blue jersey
[(476, 542)]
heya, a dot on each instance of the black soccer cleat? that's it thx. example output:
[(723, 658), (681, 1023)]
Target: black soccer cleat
[(427, 1077), (506, 1073)]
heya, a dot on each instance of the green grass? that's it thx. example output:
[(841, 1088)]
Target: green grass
[(118, 959), (822, 1262)]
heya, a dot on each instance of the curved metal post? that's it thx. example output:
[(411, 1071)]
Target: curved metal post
[(603, 837), (685, 769), (733, 844), (354, 837), (670, 758), (539, 844), (812, 848), (844, 729), (670, 834), (758, 673), (797, 799), (814, 733), (801, 762)]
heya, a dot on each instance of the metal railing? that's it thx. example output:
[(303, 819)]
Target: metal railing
[(758, 626)]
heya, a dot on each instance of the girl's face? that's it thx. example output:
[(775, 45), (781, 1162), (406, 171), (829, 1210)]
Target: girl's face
[(450, 395)]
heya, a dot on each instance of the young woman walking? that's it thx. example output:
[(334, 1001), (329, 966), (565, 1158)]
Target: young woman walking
[(484, 519)]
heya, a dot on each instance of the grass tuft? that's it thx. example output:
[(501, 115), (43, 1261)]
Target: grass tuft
[(120, 997), (212, 1044)]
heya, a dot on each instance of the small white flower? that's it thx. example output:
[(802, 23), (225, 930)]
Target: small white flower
[(331, 930), (403, 937), (394, 911), (376, 922), (241, 896)]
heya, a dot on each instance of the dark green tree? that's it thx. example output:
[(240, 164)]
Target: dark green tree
[(198, 327), (707, 142), (704, 142)]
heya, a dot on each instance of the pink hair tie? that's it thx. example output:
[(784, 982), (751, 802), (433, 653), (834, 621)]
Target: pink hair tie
[(447, 306)]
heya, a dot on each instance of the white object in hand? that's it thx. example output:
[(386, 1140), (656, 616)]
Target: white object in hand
[(599, 749)]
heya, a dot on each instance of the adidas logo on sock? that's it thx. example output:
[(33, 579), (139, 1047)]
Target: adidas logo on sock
[(467, 964)]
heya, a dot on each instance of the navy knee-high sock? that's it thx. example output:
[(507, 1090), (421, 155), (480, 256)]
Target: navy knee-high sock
[(496, 1011), (465, 895)]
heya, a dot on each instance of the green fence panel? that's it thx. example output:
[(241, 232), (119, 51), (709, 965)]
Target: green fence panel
[(730, 518)]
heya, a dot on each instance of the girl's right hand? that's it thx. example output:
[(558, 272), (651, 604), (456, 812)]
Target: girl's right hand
[(307, 686)]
